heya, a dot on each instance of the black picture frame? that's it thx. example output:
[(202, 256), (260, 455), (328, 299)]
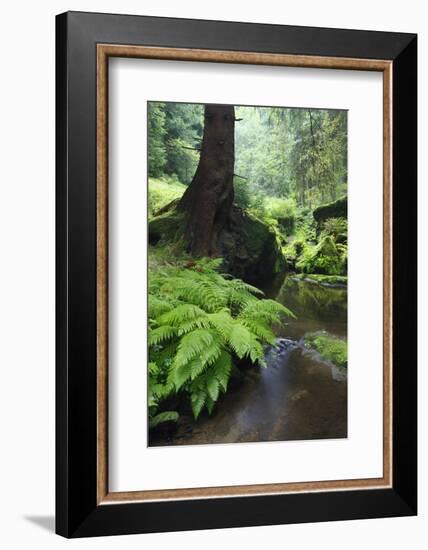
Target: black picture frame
[(77, 511)]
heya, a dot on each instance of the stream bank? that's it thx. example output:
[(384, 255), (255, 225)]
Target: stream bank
[(299, 396)]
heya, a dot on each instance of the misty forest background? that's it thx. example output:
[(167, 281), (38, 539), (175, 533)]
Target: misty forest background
[(227, 222)]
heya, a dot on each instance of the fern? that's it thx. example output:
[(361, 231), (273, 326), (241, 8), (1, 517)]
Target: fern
[(192, 344), (161, 334), (200, 321), (240, 340), (222, 369), (157, 306)]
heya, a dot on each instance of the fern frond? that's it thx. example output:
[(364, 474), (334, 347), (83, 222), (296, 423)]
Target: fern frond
[(260, 329), (268, 310), (240, 340), (161, 334), (213, 388), (180, 314), (161, 391), (222, 369), (198, 401), (157, 306), (209, 405), (208, 295), (198, 322), (210, 354), (222, 321), (179, 375), (238, 284), (153, 368), (191, 345)]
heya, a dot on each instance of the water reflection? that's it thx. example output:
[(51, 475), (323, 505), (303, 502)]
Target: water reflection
[(298, 396)]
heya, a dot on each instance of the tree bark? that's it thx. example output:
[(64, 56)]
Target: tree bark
[(207, 202)]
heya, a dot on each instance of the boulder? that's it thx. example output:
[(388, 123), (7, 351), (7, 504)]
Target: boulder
[(337, 209), (250, 248)]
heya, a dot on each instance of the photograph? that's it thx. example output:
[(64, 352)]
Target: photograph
[(247, 273)]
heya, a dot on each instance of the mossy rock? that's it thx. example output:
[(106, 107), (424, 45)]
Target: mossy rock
[(330, 348), (323, 280), (324, 258), (252, 249), (166, 227), (337, 209)]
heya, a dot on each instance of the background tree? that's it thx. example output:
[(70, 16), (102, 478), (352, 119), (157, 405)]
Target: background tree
[(156, 138)]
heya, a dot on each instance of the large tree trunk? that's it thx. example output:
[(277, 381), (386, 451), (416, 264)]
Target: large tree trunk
[(207, 202)]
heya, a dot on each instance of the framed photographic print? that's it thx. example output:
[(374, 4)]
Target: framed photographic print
[(236, 274)]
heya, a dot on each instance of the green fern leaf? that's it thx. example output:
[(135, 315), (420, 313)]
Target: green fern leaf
[(222, 369), (240, 340), (157, 306), (191, 345), (161, 334), (198, 401), (181, 314), (209, 404), (222, 321), (180, 375), (198, 322), (259, 329), (213, 388), (153, 368)]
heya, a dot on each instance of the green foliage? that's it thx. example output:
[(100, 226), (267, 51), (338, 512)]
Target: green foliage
[(279, 208), (335, 227), (156, 134), (174, 135), (242, 192), (325, 258), (277, 212), (320, 258), (295, 153), (298, 153), (200, 321), (162, 191), (329, 347)]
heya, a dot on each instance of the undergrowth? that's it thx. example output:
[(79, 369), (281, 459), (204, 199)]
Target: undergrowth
[(200, 323)]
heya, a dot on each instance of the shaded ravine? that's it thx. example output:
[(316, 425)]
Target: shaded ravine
[(298, 396)]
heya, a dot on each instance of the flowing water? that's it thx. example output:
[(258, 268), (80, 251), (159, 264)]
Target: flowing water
[(298, 396)]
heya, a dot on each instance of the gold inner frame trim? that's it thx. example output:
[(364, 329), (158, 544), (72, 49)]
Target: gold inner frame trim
[(104, 51)]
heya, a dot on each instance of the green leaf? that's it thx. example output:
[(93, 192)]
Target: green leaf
[(180, 314), (161, 334), (153, 368), (213, 387), (240, 340), (157, 306), (222, 369), (192, 344), (209, 405), (198, 402), (183, 373)]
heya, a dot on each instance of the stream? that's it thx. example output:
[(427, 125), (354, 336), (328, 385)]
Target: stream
[(298, 396)]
